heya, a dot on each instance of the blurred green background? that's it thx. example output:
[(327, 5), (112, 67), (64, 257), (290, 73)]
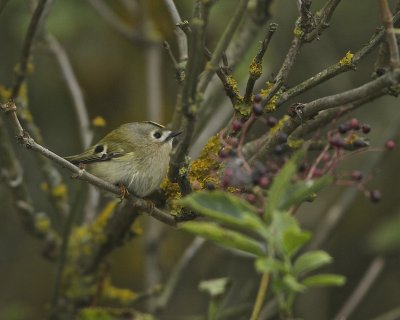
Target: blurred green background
[(112, 74)]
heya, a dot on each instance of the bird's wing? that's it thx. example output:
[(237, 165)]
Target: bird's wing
[(99, 152)]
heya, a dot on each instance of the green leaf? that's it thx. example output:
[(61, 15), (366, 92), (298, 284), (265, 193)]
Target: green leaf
[(311, 260), (292, 283), (223, 207), (301, 191), (268, 264), (324, 279), (214, 287), (294, 239), (224, 237), (281, 183)]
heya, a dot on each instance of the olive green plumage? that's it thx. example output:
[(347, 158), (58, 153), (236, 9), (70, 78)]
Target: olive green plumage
[(135, 155)]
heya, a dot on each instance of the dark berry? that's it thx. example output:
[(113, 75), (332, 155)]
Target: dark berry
[(354, 124), (257, 109), (236, 125), (210, 186), (302, 167), (343, 128), (337, 142), (257, 98), (390, 144), (365, 128), (357, 175), (279, 149), (264, 182), (360, 144), (272, 121), (251, 198), (256, 176), (281, 136), (375, 195)]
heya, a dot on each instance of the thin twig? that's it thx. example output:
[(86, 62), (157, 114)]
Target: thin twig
[(23, 68), (387, 20), (74, 89), (11, 172), (223, 43), (257, 63), (178, 271), (116, 22), (374, 270), (52, 176), (333, 70), (62, 259), (305, 32), (180, 35)]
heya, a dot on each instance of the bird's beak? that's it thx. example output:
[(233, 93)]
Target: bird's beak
[(173, 135)]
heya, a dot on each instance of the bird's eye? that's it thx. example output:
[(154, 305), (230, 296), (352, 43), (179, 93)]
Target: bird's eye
[(99, 149), (157, 135)]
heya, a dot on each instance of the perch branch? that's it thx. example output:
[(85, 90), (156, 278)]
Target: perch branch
[(27, 141)]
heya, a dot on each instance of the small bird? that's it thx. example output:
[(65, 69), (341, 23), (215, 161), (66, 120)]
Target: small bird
[(135, 157)]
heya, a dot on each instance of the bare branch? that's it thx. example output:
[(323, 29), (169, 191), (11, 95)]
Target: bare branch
[(223, 43), (116, 23), (180, 35), (374, 270), (12, 174), (74, 89), (178, 271), (333, 70), (387, 19), (265, 144), (257, 63)]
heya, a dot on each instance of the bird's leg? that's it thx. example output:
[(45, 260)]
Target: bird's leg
[(81, 167), (123, 191)]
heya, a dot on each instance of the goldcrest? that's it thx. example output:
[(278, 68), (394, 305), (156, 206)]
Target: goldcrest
[(134, 156)]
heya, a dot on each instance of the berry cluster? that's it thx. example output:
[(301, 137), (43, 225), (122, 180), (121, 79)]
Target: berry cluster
[(253, 179)]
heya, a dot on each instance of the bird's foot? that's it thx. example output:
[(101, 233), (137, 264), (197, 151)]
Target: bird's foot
[(80, 172), (123, 192)]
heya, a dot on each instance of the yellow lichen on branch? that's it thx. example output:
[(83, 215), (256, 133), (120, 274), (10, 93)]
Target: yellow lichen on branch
[(202, 171), (347, 59), (255, 69)]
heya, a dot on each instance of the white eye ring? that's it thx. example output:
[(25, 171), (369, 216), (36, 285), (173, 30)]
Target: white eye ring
[(157, 135)]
